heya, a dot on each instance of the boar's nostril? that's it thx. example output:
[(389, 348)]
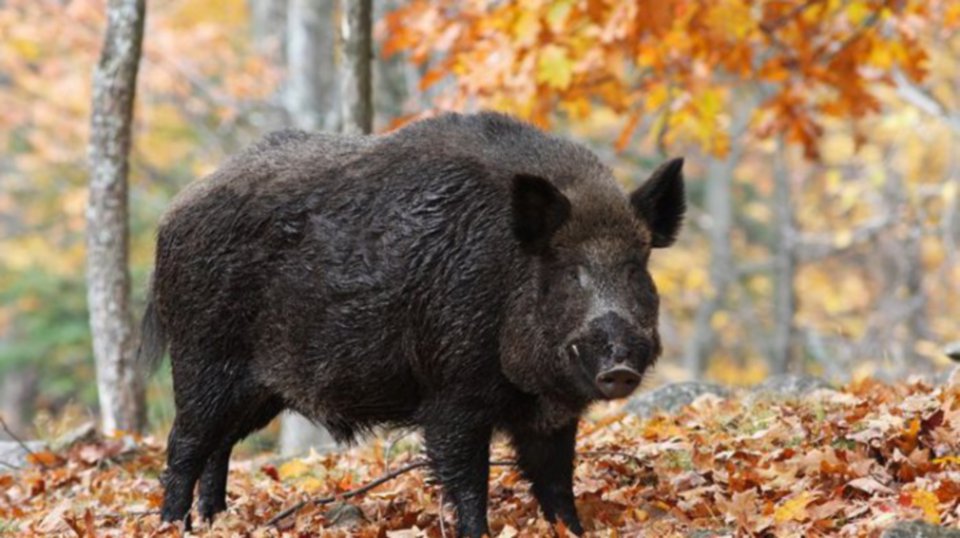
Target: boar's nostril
[(618, 382)]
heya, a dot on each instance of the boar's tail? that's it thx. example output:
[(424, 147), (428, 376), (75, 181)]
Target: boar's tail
[(153, 338)]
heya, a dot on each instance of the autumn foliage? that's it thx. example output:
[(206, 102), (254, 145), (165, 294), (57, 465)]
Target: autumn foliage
[(840, 463), (681, 62)]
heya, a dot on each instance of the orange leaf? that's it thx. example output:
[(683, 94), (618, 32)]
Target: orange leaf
[(44, 459), (431, 77), (627, 132)]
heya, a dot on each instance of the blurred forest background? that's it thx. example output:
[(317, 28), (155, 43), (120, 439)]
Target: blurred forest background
[(821, 140)]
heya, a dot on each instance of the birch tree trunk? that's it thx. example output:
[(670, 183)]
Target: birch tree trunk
[(719, 206), (268, 23), (310, 95), (310, 100), (18, 392), (108, 279), (723, 270), (783, 357), (354, 68)]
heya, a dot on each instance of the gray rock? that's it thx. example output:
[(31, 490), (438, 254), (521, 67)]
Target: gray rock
[(940, 378), (952, 350), (84, 433), (14, 455), (344, 515), (672, 397), (790, 385), (919, 529)]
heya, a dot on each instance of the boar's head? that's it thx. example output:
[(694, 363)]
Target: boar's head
[(587, 327)]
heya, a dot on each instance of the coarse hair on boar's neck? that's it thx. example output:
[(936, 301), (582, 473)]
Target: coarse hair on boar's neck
[(465, 274)]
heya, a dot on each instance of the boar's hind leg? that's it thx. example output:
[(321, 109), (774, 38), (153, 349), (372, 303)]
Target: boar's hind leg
[(213, 481), (188, 447), (547, 462), (209, 412), (460, 457)]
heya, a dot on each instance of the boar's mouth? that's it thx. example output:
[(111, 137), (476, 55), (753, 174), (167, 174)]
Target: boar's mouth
[(598, 386), (583, 379)]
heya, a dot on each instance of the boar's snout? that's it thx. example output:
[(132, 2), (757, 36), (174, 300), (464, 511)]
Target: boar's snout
[(618, 382), (613, 354)]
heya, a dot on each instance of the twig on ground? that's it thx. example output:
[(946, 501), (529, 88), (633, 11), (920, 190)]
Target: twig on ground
[(637, 459), (20, 442), (388, 453), (132, 513), (352, 493), (363, 489)]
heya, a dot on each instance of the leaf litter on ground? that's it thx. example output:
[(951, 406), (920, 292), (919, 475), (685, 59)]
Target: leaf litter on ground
[(833, 463)]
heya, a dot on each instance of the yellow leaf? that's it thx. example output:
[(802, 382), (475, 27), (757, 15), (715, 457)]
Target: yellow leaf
[(527, 27), (857, 12), (310, 484), (554, 67), (558, 13), (293, 469), (947, 460), (928, 502), (794, 509)]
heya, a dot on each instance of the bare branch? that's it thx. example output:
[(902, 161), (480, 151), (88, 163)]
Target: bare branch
[(925, 101), (20, 442), (812, 247)]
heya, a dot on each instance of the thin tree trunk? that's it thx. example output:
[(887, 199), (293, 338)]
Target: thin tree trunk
[(18, 392), (719, 206), (268, 23), (108, 279), (905, 272), (310, 94), (723, 271), (310, 100), (784, 342), (354, 68), (390, 75)]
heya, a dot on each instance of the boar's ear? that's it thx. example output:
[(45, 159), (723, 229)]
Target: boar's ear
[(660, 202), (539, 209)]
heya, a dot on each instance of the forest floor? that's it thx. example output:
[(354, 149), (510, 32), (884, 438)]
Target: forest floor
[(850, 462)]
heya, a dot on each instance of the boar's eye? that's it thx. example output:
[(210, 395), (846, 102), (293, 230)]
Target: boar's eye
[(636, 271)]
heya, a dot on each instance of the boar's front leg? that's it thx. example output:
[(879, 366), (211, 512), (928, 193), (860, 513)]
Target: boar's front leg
[(459, 452), (546, 460)]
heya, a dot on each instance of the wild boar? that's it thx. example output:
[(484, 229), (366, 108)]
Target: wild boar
[(465, 274)]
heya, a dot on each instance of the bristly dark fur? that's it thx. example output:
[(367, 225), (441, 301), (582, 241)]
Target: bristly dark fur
[(416, 278), (153, 339)]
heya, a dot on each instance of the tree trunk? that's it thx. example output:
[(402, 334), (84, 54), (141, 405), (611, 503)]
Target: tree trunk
[(354, 68), (719, 206), (723, 271), (310, 100), (311, 93), (267, 21), (108, 279), (784, 342), (391, 76), (18, 392)]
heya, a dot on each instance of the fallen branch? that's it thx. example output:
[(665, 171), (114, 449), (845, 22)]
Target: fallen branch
[(132, 513), (362, 489), (20, 442), (636, 459)]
